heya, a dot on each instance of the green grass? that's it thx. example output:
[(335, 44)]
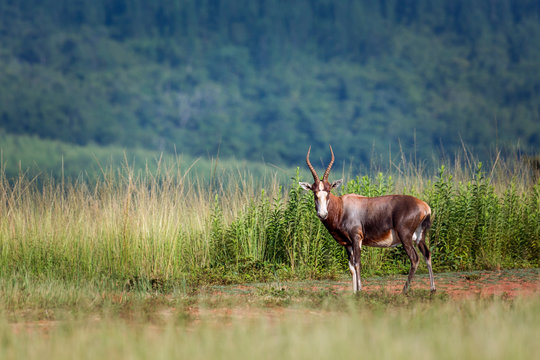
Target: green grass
[(160, 228), (467, 330), (51, 319)]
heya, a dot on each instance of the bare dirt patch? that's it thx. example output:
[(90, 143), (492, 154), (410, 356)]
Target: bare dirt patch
[(274, 301), (278, 300), (509, 283)]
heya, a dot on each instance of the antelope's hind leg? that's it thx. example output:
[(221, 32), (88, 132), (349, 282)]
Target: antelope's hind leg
[(413, 256), (427, 256), (421, 242)]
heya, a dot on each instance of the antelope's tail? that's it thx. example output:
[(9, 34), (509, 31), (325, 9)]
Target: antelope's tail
[(426, 223)]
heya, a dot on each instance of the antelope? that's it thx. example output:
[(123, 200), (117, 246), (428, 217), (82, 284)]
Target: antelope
[(383, 221)]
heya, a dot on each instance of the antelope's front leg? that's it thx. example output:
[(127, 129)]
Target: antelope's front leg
[(352, 269), (357, 252), (354, 253)]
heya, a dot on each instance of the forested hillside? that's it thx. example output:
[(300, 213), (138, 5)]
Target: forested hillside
[(263, 80)]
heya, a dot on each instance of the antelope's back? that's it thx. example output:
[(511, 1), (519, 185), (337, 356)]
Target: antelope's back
[(378, 215)]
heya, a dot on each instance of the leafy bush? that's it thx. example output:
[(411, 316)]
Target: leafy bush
[(473, 228)]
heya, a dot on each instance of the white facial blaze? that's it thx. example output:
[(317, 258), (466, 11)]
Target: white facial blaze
[(322, 195)]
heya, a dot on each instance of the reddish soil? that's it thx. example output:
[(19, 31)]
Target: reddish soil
[(507, 283), (482, 283), (233, 302), (461, 285)]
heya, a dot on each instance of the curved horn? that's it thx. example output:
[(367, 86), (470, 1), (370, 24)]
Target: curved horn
[(315, 177), (327, 172)]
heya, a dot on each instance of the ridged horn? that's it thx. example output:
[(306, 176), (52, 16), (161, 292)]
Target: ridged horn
[(327, 172), (313, 172)]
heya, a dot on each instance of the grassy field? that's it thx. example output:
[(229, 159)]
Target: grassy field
[(291, 319), (158, 227), (150, 264)]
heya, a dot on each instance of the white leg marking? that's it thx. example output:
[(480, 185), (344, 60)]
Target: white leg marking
[(354, 280), (431, 280)]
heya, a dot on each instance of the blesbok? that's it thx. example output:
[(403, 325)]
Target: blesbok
[(384, 221)]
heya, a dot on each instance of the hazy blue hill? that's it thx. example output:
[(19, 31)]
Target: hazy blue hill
[(40, 160), (263, 80)]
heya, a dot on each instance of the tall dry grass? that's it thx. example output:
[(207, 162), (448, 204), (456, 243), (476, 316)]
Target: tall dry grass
[(148, 224)]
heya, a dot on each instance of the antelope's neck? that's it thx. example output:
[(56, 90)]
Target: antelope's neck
[(335, 212)]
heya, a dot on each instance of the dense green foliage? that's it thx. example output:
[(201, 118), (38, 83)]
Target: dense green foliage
[(473, 228), (265, 79)]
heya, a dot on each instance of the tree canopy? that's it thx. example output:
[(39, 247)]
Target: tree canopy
[(263, 80)]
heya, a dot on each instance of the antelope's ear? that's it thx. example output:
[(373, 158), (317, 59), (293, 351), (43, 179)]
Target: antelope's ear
[(337, 183), (305, 185)]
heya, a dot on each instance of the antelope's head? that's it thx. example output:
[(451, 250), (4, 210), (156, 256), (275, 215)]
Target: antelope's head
[(321, 188)]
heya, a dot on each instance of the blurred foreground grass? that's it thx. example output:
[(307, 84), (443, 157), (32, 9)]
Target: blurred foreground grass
[(63, 320)]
